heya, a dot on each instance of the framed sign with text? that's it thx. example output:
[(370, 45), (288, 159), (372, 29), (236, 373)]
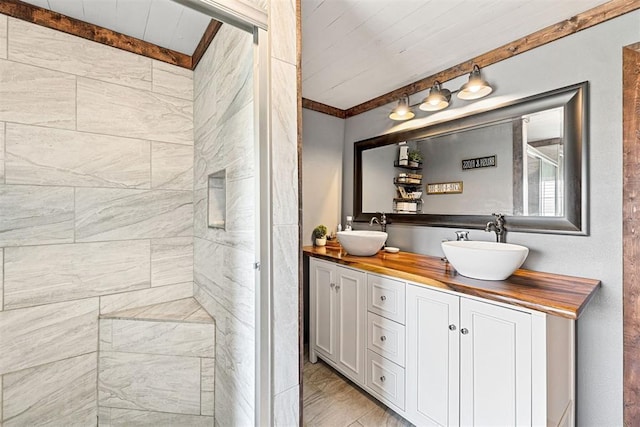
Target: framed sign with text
[(445, 188), (479, 162)]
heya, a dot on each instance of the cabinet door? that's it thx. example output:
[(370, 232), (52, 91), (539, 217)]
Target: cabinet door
[(350, 293), (432, 357), (495, 365), (322, 283)]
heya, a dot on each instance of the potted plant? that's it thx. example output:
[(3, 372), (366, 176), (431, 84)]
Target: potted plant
[(415, 158), (320, 235)]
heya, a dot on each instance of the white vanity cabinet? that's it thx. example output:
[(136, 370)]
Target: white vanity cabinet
[(441, 358), (470, 361), (338, 317), (432, 357)]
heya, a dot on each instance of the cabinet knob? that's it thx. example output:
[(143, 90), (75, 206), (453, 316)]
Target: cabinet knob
[(383, 298), (383, 338), (382, 378), (337, 287), (452, 327), (464, 331), (332, 285)]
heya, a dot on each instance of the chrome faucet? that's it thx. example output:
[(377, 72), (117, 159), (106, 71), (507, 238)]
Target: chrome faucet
[(382, 222), (497, 225)]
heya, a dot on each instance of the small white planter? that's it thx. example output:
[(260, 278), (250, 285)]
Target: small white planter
[(321, 242)]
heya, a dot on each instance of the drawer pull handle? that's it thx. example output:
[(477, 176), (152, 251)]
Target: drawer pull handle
[(382, 378), (383, 298), (452, 327), (383, 338), (464, 331)]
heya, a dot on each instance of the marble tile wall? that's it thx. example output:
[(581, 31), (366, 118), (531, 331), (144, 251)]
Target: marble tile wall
[(161, 337), (234, 364), (173, 81), (133, 350), (43, 334), (45, 156), (36, 215), (115, 214), (224, 279), (286, 244), (154, 295), (133, 112), (36, 275), (55, 50), (37, 96), (131, 381), (171, 261), (3, 37), (96, 212), (58, 393), (172, 166), (1, 284), (115, 417), (2, 127)]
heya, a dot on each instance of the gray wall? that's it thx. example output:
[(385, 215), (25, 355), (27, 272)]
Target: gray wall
[(223, 259), (96, 171), (322, 144), (594, 55)]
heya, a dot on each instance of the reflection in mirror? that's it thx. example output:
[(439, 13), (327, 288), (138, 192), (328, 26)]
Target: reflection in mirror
[(524, 160), (543, 169)]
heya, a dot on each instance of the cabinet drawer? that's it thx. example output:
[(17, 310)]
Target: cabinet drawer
[(385, 379), (386, 338), (386, 297)]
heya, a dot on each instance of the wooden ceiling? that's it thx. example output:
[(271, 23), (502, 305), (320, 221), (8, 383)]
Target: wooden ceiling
[(311, 9), (331, 85)]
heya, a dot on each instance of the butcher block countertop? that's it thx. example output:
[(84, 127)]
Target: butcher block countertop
[(555, 294)]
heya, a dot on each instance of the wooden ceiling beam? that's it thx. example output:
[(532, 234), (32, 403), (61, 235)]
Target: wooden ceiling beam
[(205, 41), (323, 108), (56, 21), (630, 226), (582, 21)]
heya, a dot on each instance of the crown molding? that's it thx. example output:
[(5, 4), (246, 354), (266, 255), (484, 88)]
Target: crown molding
[(323, 108), (205, 41)]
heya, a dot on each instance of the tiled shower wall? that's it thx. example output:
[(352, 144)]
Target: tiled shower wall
[(224, 278), (96, 208), (286, 225)]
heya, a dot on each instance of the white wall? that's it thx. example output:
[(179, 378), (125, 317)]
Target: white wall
[(594, 55), (322, 144)]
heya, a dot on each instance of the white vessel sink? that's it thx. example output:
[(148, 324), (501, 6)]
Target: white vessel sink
[(362, 242), (485, 260)]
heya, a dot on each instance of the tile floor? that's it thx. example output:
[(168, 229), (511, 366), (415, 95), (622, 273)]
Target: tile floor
[(330, 400)]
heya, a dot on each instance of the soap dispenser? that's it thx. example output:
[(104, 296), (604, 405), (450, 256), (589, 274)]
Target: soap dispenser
[(349, 225)]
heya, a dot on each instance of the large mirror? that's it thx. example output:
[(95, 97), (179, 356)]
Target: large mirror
[(525, 159)]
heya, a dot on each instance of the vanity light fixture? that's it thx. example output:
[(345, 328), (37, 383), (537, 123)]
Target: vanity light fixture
[(476, 87), (402, 110), (438, 98)]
